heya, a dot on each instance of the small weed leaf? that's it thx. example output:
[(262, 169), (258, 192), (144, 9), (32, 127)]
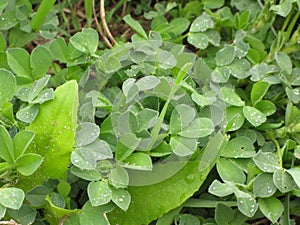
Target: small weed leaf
[(87, 133), (86, 41), (234, 118), (7, 86), (24, 215), (182, 146), (284, 61), (181, 117), (200, 127), (199, 40), (99, 193), (263, 185), (7, 152), (239, 68), (225, 56), (138, 161), (28, 163), (224, 214), (267, 161), (147, 83), (202, 23), (283, 180), (295, 173), (221, 189), (254, 116), (239, 147), (258, 91), (230, 97), (59, 50), (2, 211), (40, 61), (283, 9), (20, 67), (28, 113), (136, 26), (271, 207), (37, 87), (258, 71), (248, 206), (228, 171), (11, 197), (118, 177), (121, 198), (220, 74), (266, 107), (84, 159)]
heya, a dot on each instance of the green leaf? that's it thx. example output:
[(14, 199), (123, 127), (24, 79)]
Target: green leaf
[(44, 96), (28, 163), (59, 50), (283, 9), (223, 214), (200, 99), (202, 23), (248, 206), (2, 211), (220, 74), (295, 173), (228, 171), (25, 215), (239, 147), (86, 41), (229, 96), (263, 185), (7, 86), (138, 161), (214, 37), (112, 64), (254, 116), (99, 193), (147, 118), (220, 189), (86, 134), (267, 161), (266, 107), (130, 140), (188, 219), (90, 175), (37, 87), (28, 114), (6, 146), (84, 159), (283, 180), (121, 198), (271, 207), (213, 4), (181, 117), (20, 67), (234, 118), (55, 133), (147, 82), (182, 146), (258, 91), (166, 60), (118, 177), (200, 127), (135, 25), (198, 40), (36, 196), (284, 62), (11, 197), (179, 25), (40, 61), (239, 68), (225, 56)]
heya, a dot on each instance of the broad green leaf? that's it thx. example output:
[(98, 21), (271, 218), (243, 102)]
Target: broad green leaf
[(59, 50), (229, 96), (213, 4), (7, 114), (138, 161), (6, 146), (55, 132), (86, 41), (200, 127), (284, 62), (234, 118), (239, 68), (147, 118), (147, 83), (202, 23), (198, 40), (248, 206), (112, 64), (225, 56), (267, 161), (239, 147), (283, 9), (176, 189), (228, 171), (295, 173), (28, 113), (220, 74), (200, 99), (40, 61), (135, 25), (258, 91), (84, 159), (220, 189), (37, 87), (7, 86), (181, 117), (118, 177), (86, 134), (223, 214), (11, 197), (182, 146), (99, 193), (266, 107), (44, 96), (28, 163), (21, 142), (263, 185), (25, 215), (121, 198), (166, 60), (283, 180), (36, 196), (254, 116), (258, 71), (271, 207), (214, 37), (20, 67), (180, 25)]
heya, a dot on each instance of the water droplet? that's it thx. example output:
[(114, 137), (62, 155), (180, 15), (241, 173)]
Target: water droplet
[(120, 199), (190, 178)]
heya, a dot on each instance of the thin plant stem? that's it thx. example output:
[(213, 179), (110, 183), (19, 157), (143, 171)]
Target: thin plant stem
[(105, 26)]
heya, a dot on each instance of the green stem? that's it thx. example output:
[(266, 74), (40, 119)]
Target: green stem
[(279, 153), (41, 14), (291, 25), (157, 127)]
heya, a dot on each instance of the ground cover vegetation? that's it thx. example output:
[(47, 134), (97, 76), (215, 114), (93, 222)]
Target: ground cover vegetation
[(149, 112)]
